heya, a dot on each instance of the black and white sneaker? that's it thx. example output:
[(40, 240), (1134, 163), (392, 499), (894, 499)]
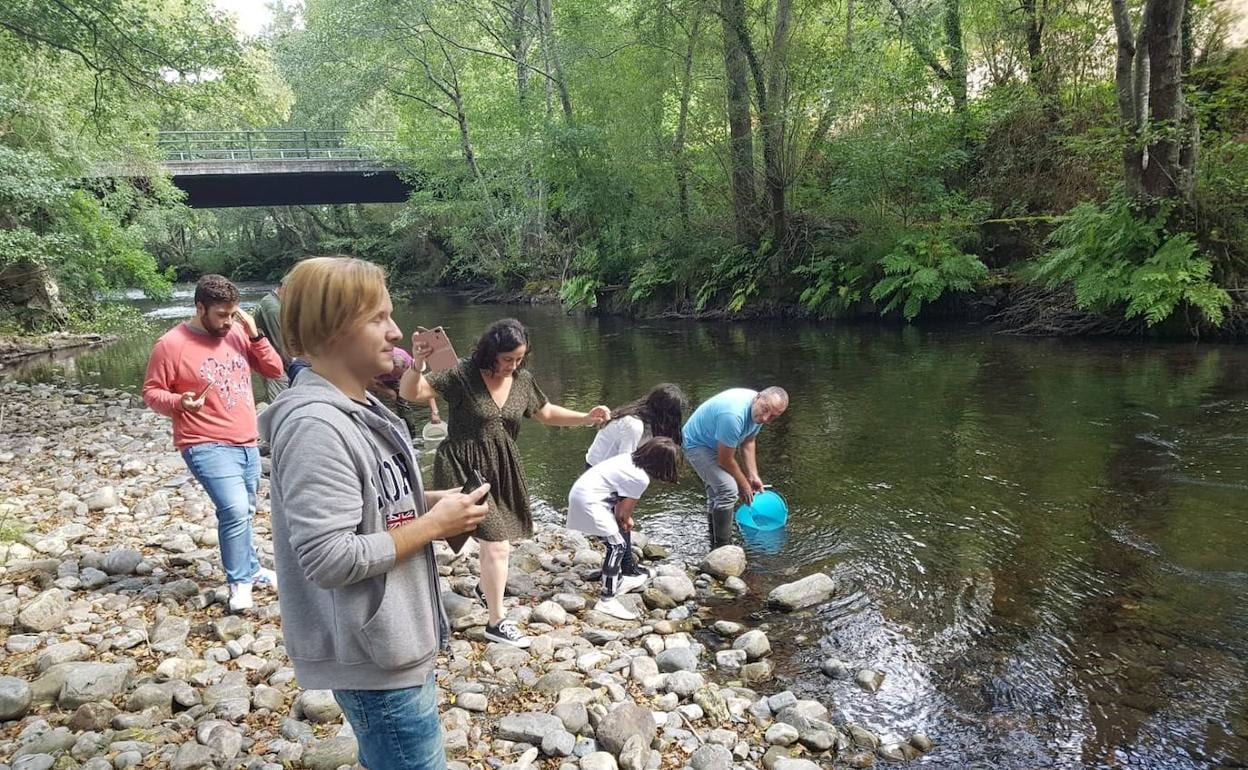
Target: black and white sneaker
[(479, 594), (507, 633), (640, 570)]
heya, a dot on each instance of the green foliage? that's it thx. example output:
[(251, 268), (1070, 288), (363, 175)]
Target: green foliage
[(1117, 255), (581, 290), (922, 269)]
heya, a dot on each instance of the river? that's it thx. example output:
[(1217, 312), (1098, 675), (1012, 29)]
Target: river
[(1042, 544)]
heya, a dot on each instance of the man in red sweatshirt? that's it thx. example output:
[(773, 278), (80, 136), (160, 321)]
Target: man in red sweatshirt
[(199, 374)]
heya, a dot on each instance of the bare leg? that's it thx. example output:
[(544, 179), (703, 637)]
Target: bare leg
[(495, 558)]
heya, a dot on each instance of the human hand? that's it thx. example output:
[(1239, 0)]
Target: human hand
[(435, 418), (457, 513), (745, 492), (192, 403), (420, 351), (756, 483), (248, 322), (598, 415), (625, 522)]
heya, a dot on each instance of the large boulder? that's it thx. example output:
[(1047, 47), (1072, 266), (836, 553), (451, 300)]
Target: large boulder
[(15, 698), (89, 682), (725, 562), (622, 722), (529, 727), (807, 592), (45, 612)]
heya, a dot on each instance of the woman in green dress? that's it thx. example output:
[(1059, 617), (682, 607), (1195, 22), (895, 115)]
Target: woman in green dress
[(487, 394)]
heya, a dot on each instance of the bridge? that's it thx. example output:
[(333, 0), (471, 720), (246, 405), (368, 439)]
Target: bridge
[(281, 167)]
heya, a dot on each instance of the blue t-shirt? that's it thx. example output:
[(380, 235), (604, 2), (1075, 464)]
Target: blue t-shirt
[(722, 419)]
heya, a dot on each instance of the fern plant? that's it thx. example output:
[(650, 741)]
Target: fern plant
[(580, 290), (922, 269), (1115, 255), (832, 285)]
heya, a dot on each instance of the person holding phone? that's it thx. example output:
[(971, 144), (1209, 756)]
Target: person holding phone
[(386, 386), (199, 374), (719, 428), (353, 525), (487, 395)]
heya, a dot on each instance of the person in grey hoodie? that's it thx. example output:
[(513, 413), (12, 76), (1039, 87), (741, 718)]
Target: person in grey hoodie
[(353, 526)]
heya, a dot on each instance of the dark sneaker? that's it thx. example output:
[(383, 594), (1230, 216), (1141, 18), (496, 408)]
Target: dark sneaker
[(479, 594), (507, 633)]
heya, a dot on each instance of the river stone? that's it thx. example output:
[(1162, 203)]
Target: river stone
[(736, 585), (551, 614), (529, 727), (15, 698), (501, 656), (794, 764), (147, 696), (170, 634), (642, 668), (869, 680), (574, 716), (193, 756), (807, 592), (655, 599), (679, 588), (677, 659), (755, 644), (781, 734), (102, 498), (714, 710), (65, 652), (921, 742), (598, 760), (757, 672), (557, 681), (684, 683), (330, 754), (731, 660), (45, 612), (862, 737), (836, 669), (225, 742), (93, 717), (122, 561), (472, 701), (725, 562), (558, 743), (457, 606), (88, 682), (711, 757), (34, 762), (625, 720), (635, 755), (318, 706), (230, 699)]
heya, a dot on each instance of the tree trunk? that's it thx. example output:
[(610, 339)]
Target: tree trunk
[(774, 125), (682, 122), (547, 26), (1037, 73), (741, 138), (955, 54), (520, 45), (849, 26)]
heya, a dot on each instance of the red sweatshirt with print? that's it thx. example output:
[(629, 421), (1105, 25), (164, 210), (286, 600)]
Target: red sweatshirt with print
[(185, 359)]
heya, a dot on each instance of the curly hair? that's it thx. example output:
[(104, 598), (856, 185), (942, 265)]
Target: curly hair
[(502, 337), (215, 290)]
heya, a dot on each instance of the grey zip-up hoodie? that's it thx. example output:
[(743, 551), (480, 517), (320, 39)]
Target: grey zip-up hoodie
[(353, 617)]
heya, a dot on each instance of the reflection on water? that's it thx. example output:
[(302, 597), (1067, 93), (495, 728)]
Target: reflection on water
[(1041, 544)]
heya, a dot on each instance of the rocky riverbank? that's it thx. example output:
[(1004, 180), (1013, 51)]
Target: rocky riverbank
[(119, 652), (17, 348)]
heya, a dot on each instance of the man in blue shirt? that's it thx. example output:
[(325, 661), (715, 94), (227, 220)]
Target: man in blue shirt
[(718, 428)]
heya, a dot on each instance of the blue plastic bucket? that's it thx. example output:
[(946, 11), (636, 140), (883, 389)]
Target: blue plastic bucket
[(769, 511)]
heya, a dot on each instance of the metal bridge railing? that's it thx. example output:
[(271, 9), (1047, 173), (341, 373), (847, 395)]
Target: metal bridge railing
[(274, 144)]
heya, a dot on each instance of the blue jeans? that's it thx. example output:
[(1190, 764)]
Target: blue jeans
[(396, 729), (231, 477)]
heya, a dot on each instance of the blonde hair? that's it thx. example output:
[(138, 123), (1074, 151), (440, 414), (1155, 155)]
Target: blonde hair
[(323, 298)]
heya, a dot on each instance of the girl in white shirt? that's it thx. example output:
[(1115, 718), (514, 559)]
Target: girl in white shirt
[(659, 413), (601, 504)]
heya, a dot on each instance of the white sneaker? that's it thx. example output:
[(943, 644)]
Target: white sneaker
[(613, 608), (629, 583), (240, 597), (265, 578)]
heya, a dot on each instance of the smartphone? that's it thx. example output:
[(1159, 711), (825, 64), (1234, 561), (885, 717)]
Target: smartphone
[(207, 388), (442, 353), (474, 482)]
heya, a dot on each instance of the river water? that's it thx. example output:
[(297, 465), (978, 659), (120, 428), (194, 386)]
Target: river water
[(1042, 544)]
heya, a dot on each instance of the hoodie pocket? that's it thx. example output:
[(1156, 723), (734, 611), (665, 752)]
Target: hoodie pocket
[(400, 634)]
